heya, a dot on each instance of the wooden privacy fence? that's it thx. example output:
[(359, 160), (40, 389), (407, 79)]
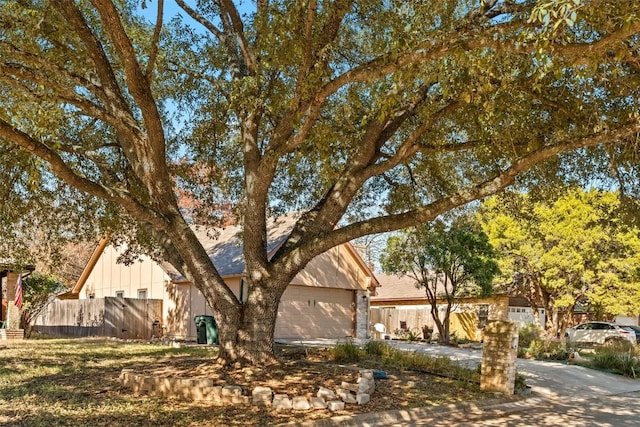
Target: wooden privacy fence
[(126, 318), (462, 324), (393, 318)]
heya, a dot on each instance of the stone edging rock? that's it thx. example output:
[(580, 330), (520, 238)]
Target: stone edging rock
[(204, 389)]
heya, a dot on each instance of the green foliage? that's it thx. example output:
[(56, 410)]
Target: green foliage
[(573, 247), (346, 352), (618, 360), (548, 349), (520, 383), (527, 334), (377, 348), (408, 334), (39, 290), (449, 262)]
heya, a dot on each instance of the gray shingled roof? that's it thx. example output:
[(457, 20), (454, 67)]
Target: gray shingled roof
[(224, 245)]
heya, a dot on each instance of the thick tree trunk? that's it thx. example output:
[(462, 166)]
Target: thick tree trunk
[(246, 335), (249, 339)]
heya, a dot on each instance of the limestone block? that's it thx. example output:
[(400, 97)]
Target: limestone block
[(197, 394), (237, 400), (300, 403), (318, 403), (165, 387), (366, 373), (230, 392), (362, 398), (213, 394), (366, 385), (326, 394), (281, 402), (261, 396), (349, 386), (202, 382), (345, 395), (335, 405)]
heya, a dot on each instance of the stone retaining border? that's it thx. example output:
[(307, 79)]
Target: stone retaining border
[(203, 389)]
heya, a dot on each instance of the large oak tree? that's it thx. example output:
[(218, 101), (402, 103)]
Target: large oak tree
[(367, 116)]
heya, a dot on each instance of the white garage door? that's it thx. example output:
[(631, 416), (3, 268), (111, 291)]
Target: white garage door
[(308, 312)]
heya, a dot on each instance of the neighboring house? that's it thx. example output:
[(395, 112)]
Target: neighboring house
[(328, 299), (400, 304), (8, 279)]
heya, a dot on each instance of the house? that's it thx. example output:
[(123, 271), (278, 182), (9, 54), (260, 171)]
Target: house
[(9, 312), (328, 299), (400, 304)]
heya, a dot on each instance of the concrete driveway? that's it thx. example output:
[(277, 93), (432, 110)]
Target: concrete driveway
[(563, 394), (547, 379)]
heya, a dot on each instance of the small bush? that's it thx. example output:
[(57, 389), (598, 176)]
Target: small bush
[(408, 334), (527, 334), (520, 383), (346, 352), (548, 349), (623, 362), (377, 348)]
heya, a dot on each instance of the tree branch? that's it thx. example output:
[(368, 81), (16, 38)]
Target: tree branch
[(69, 176), (201, 19), (155, 42), (319, 243)]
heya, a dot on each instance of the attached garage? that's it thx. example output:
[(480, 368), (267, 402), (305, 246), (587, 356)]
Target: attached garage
[(329, 298), (311, 312)]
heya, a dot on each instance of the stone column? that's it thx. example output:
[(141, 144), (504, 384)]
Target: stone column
[(13, 313), (499, 355), (362, 315)]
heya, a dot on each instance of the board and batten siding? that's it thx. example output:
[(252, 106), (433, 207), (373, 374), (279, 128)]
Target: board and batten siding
[(334, 280)]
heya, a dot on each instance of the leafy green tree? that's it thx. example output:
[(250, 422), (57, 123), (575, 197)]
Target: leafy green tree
[(572, 249), (366, 116), (39, 291), (448, 262)]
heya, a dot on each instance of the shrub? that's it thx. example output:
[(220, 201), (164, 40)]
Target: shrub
[(527, 334), (548, 349), (408, 334), (611, 358), (377, 348), (346, 352), (394, 357), (520, 384)]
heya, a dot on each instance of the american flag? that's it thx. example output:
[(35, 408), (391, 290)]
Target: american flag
[(18, 299)]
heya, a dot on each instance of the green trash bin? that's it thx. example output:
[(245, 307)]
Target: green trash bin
[(206, 329)]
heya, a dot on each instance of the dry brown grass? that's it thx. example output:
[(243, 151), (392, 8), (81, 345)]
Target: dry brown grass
[(75, 382)]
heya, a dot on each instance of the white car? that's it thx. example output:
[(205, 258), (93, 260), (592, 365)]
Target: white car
[(600, 333)]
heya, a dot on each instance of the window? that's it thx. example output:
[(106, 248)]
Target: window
[(142, 294), (119, 294)]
